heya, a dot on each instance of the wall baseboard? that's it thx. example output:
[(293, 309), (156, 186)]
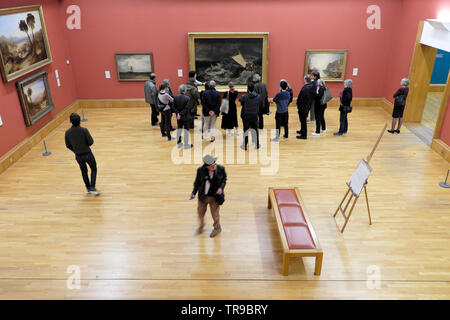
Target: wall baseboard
[(23, 147), (112, 103), (442, 148)]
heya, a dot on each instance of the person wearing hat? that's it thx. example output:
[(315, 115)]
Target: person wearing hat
[(210, 183), (78, 140)]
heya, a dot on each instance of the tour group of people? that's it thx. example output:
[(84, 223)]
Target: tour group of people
[(211, 178)]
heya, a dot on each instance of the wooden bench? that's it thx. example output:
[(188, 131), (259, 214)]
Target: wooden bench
[(296, 231)]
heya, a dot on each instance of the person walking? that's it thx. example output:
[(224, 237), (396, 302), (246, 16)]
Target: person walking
[(282, 99), (345, 108), (151, 94), (229, 120), (210, 184), (399, 105), (78, 140)]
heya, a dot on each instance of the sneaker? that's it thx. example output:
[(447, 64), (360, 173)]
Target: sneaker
[(94, 191), (337, 134), (315, 134), (275, 140), (301, 137), (229, 134), (213, 139), (171, 139), (188, 146), (243, 147), (258, 146), (215, 232), (285, 138), (398, 131), (309, 122), (323, 131), (179, 145), (237, 133), (269, 113)]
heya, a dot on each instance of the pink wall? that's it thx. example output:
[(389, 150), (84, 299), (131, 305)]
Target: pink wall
[(408, 18), (294, 26), (14, 130)]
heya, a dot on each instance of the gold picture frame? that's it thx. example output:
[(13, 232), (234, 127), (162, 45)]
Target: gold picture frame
[(24, 45), (331, 64), (228, 56), (134, 66), (35, 97)]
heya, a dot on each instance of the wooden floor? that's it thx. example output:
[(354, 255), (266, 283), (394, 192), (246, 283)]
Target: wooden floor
[(137, 240)]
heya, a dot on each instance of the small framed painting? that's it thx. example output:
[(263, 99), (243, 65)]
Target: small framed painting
[(135, 66), (329, 63), (35, 97)]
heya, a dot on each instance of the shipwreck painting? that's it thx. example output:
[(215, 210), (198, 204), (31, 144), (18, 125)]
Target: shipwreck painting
[(225, 57), (24, 44), (329, 63), (35, 97)]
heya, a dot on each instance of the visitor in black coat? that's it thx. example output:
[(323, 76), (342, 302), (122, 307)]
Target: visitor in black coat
[(305, 100)]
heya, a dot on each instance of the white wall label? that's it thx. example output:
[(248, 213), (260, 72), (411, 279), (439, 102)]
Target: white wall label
[(180, 73), (1, 121), (58, 82), (355, 71), (107, 74), (56, 73), (67, 61)]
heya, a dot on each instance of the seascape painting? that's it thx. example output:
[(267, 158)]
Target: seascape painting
[(134, 66), (35, 97), (23, 42), (329, 63), (224, 58)]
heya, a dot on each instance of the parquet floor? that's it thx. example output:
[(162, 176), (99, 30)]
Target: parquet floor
[(137, 239)]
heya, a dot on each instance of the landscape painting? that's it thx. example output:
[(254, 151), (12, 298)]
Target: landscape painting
[(24, 44), (35, 97), (225, 57), (134, 66), (329, 63)]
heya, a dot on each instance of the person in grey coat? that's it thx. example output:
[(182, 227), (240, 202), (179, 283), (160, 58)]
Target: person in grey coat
[(150, 97), (261, 89)]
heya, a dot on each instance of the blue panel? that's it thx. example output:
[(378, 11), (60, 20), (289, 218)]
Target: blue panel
[(441, 67)]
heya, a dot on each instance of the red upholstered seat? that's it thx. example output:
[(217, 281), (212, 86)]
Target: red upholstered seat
[(285, 196), (292, 215), (299, 237)]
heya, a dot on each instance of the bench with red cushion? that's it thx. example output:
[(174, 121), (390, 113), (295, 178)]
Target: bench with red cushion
[(296, 231)]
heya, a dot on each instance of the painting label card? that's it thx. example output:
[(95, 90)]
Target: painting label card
[(180, 73), (355, 71), (1, 121), (107, 74), (58, 82)]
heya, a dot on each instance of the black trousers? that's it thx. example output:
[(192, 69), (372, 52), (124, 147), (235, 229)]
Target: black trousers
[(155, 114), (320, 119), (251, 126), (282, 119), (186, 125), (303, 125), (260, 121), (343, 127), (165, 125), (83, 159)]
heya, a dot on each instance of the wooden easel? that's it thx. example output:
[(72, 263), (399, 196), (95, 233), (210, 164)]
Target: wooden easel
[(355, 196)]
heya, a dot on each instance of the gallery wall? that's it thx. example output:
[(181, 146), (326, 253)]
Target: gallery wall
[(14, 130), (294, 26)]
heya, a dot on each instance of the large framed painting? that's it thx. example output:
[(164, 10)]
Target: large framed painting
[(134, 66), (330, 63), (225, 57), (24, 43), (35, 97)]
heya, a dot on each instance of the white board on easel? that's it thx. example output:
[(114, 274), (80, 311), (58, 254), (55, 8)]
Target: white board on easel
[(359, 177)]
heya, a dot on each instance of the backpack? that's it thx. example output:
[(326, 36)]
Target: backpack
[(326, 97)]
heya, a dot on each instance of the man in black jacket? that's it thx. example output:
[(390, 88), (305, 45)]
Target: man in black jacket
[(209, 183), (305, 100), (252, 105), (79, 140), (184, 116), (211, 101)]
